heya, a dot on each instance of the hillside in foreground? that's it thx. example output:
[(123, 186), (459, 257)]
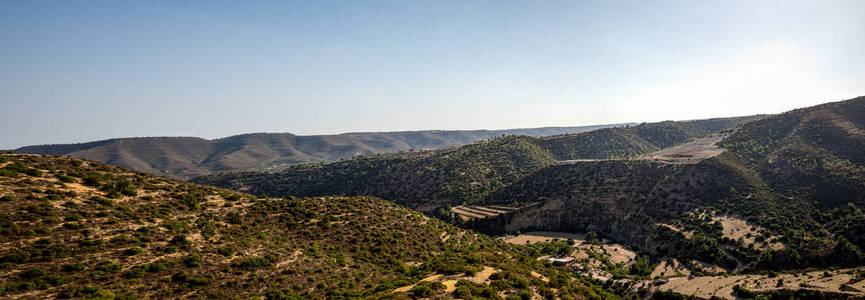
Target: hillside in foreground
[(185, 157), (78, 228)]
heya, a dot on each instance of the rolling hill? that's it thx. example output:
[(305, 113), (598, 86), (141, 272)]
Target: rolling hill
[(185, 157), (431, 179), (75, 228), (797, 180), (785, 194)]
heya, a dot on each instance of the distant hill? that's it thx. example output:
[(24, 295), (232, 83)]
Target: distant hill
[(185, 157), (72, 228), (430, 179)]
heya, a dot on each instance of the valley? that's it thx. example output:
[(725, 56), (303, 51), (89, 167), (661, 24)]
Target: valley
[(747, 207), (736, 199)]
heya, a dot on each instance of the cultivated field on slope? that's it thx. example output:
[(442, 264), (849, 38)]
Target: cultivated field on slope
[(689, 152), (471, 212), (692, 151)]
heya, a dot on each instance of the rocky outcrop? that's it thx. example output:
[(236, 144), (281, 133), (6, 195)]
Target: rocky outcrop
[(621, 200)]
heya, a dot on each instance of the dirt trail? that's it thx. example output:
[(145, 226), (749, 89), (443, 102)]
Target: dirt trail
[(450, 282)]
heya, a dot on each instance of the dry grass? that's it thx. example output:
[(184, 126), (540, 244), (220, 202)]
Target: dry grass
[(722, 286)]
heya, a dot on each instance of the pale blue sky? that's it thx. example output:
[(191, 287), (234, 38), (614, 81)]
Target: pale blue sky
[(74, 71)]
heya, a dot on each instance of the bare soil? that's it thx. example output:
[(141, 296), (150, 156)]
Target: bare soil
[(692, 151), (545, 236), (722, 286)]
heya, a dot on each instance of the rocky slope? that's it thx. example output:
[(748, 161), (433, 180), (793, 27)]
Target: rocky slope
[(795, 178)]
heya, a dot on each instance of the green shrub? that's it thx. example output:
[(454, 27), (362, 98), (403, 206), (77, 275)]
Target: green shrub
[(74, 267), (156, 267), (234, 218), (103, 201), (135, 272), (66, 178), (92, 180), (743, 292), (179, 240), (426, 289), (7, 198), (72, 217), (122, 187), (192, 261), (33, 172), (254, 263), (226, 251), (191, 279), (133, 251), (463, 292), (109, 266), (91, 242), (33, 273)]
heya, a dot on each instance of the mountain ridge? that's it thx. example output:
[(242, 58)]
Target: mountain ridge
[(185, 157), (426, 180)]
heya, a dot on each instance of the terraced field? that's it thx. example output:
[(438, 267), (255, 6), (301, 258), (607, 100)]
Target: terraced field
[(470, 212)]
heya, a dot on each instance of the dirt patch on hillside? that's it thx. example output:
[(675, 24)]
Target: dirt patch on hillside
[(678, 229), (735, 229), (545, 236), (670, 268), (722, 286), (450, 282), (692, 151)]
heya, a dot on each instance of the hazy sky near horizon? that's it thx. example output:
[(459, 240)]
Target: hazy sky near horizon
[(75, 71)]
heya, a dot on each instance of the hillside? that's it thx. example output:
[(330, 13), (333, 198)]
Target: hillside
[(794, 181), (185, 157), (433, 179), (631, 141), (77, 228)]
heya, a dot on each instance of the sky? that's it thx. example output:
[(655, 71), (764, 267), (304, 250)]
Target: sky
[(77, 71)]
